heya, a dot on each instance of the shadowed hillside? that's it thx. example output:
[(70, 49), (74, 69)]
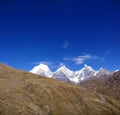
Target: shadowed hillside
[(107, 86), (23, 93)]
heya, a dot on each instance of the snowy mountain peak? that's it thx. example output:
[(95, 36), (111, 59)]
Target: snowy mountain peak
[(117, 70), (88, 67), (101, 69), (85, 65), (102, 72), (63, 68), (65, 74), (43, 66), (85, 72), (42, 69)]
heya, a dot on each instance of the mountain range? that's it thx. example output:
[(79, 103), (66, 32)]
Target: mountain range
[(67, 75)]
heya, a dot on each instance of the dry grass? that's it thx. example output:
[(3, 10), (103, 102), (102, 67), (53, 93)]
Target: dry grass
[(23, 93)]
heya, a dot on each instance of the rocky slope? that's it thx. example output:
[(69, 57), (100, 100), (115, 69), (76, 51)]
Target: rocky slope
[(23, 93), (104, 85)]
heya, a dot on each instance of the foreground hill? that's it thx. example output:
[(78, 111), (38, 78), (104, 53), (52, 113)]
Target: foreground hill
[(106, 85), (23, 93)]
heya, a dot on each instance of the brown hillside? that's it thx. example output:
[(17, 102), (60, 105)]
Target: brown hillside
[(107, 86), (23, 93)]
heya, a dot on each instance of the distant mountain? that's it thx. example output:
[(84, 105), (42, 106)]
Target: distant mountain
[(85, 72), (105, 85), (24, 93), (66, 71), (63, 74), (43, 70), (67, 75), (103, 73)]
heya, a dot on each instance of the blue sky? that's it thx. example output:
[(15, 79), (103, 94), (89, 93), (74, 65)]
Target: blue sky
[(60, 32)]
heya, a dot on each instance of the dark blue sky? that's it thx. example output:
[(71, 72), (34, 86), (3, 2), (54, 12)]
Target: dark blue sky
[(56, 32)]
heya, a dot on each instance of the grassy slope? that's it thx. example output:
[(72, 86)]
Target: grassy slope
[(23, 93)]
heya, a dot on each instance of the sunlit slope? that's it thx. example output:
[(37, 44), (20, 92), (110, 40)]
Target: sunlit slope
[(23, 93)]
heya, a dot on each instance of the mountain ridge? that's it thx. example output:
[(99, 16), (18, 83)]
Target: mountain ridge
[(65, 74)]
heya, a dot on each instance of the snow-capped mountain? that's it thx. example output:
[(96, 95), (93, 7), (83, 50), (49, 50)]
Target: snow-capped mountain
[(63, 74), (67, 75), (43, 70), (66, 71), (103, 73), (85, 72)]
